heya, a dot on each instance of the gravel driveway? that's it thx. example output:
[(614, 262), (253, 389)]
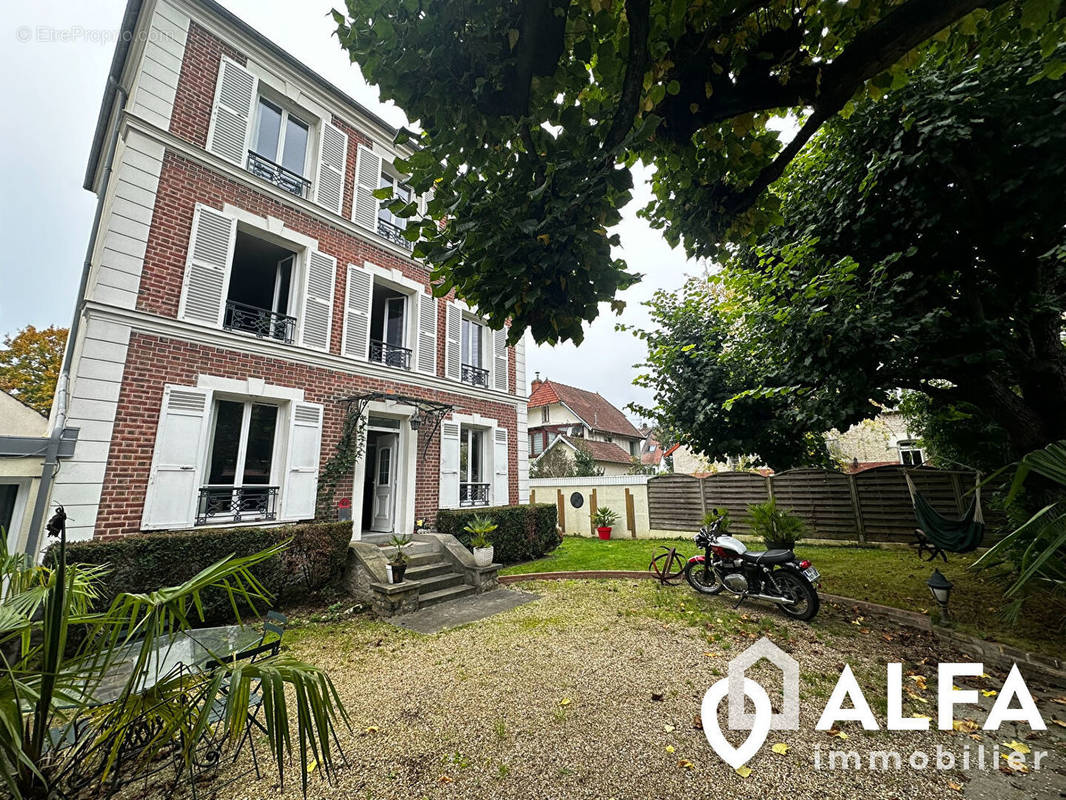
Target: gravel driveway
[(593, 692)]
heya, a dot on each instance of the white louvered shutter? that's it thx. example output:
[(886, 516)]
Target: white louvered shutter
[(231, 116), (500, 490), (300, 491), (449, 465), (207, 266), (427, 333), (499, 360), (367, 180), (180, 442), (453, 355), (320, 274), (357, 296), (332, 157)]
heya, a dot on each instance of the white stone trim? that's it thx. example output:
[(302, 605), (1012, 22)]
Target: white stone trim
[(270, 225), (249, 387)]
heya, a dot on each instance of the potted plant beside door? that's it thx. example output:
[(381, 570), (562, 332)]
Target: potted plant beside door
[(397, 565), (479, 529), (604, 519)]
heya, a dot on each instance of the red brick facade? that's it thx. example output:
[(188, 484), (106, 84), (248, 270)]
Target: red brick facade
[(153, 361)]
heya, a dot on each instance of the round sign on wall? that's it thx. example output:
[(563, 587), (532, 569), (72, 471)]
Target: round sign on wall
[(577, 499)]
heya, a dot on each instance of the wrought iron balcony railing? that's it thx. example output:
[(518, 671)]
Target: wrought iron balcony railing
[(475, 376), (391, 355), (260, 321), (279, 176), (473, 494), (394, 233), (236, 504)]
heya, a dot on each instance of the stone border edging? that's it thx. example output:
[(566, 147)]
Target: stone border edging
[(1047, 668)]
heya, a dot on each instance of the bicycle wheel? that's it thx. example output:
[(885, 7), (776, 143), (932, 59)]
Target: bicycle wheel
[(668, 566)]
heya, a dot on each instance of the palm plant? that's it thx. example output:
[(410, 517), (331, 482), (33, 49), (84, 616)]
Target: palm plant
[(777, 527), (56, 652), (1033, 556)]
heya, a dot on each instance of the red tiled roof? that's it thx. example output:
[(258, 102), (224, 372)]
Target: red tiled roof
[(602, 451), (596, 412)]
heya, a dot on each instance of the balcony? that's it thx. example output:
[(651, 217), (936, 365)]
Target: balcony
[(279, 176), (259, 321), (236, 504), (473, 494), (391, 355), (394, 234), (475, 376)]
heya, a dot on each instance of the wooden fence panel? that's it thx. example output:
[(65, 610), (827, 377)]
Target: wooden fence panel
[(674, 502), (735, 491), (887, 511), (821, 498)]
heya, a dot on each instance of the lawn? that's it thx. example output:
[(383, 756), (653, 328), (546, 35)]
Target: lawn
[(891, 577)]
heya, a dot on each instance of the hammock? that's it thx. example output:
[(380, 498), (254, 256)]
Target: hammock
[(937, 533)]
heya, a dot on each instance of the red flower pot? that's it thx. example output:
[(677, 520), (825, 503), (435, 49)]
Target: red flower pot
[(605, 533)]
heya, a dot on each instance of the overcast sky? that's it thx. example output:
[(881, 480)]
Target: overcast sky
[(56, 56)]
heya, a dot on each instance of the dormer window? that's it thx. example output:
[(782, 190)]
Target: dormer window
[(279, 147)]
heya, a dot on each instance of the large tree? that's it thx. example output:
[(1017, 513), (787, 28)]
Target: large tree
[(531, 113), (922, 247), (29, 365)]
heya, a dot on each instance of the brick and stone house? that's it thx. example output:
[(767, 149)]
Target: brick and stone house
[(245, 285), (569, 417)]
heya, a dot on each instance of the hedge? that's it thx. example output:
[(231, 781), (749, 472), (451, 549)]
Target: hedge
[(314, 560), (524, 532)]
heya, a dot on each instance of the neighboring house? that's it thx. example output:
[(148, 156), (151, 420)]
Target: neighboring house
[(875, 442), (246, 285), (22, 431), (651, 451), (568, 416)]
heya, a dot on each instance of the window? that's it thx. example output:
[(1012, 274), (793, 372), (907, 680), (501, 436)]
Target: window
[(545, 415), (240, 464), (279, 147), (536, 443), (473, 486), (388, 327), (910, 453), (260, 297), (400, 191), (472, 339)]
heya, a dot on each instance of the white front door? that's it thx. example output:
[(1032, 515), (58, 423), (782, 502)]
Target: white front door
[(385, 483)]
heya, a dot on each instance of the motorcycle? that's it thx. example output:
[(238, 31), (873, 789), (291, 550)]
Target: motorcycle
[(776, 576)]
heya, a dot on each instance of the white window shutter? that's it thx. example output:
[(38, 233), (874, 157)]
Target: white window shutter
[(427, 333), (448, 496), (180, 443), (499, 360), (300, 492), (367, 180), (500, 485), (231, 117), (332, 157), (207, 266), (453, 355), (320, 276), (357, 296)]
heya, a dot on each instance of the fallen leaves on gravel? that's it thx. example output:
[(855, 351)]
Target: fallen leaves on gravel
[(743, 771), (684, 763), (780, 748)]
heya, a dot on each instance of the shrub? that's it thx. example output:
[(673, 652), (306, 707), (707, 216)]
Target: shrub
[(604, 517), (522, 533), (721, 515), (145, 562), (778, 528)]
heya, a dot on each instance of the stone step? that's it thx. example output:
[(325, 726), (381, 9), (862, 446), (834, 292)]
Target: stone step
[(427, 570), (444, 595), (437, 582), (418, 559)]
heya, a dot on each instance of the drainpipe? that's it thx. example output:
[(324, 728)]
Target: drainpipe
[(51, 454)]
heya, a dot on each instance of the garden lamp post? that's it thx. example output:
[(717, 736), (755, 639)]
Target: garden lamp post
[(940, 587)]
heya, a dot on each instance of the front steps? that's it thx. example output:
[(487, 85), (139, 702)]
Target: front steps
[(439, 570)]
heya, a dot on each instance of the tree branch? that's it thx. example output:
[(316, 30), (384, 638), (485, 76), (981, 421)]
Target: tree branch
[(633, 83)]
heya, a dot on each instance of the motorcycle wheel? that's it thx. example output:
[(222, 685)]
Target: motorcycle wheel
[(804, 599), (704, 581)]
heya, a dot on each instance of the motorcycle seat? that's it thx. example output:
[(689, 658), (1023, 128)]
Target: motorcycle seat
[(770, 557)]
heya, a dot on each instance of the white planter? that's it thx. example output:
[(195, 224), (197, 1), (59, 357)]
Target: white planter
[(483, 556)]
